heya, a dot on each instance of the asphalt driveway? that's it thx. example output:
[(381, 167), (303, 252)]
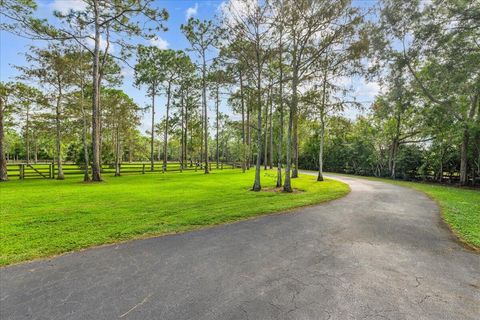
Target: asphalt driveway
[(382, 252)]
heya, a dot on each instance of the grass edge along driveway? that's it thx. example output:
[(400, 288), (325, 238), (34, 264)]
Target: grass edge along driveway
[(42, 218)]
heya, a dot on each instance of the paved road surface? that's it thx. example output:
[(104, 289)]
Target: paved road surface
[(382, 252)]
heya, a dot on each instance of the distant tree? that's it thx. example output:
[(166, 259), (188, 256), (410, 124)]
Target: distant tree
[(122, 117), (50, 67), (7, 107), (149, 71), (202, 35)]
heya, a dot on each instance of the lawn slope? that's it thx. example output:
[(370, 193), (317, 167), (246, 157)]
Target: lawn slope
[(41, 218)]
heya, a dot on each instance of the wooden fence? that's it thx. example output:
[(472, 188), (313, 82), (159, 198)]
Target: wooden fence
[(50, 170), (447, 177)]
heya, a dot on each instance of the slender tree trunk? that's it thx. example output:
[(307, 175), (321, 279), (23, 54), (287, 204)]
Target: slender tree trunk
[(204, 102), (465, 141), (160, 150), (242, 102), (287, 187), (280, 138), (117, 151), (35, 155), (320, 152), (322, 129), (265, 147), (249, 139), (27, 134), (217, 102), (60, 175), (86, 176), (393, 155), (182, 130), (464, 156), (165, 133), (152, 133), (440, 173), (257, 186), (3, 160), (96, 169), (186, 129), (130, 151), (201, 135), (295, 145), (270, 162)]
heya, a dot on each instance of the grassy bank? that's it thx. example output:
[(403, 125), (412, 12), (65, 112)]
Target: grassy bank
[(41, 217)]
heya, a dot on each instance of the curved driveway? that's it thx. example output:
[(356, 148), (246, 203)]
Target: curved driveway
[(382, 252)]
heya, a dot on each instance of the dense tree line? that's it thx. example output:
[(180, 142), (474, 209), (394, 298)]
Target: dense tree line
[(277, 64)]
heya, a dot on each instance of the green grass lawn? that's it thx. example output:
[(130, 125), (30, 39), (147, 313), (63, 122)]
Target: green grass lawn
[(41, 217), (460, 207)]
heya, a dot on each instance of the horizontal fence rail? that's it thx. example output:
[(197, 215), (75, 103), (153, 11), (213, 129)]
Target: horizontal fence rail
[(447, 177), (50, 170)]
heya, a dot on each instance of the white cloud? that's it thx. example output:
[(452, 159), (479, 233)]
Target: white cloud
[(127, 72), (371, 89), (103, 44), (64, 6), (368, 90), (159, 42), (191, 12)]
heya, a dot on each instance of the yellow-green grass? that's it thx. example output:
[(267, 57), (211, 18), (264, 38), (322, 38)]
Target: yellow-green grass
[(41, 217), (460, 207)]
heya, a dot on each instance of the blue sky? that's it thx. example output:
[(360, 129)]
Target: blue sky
[(12, 47)]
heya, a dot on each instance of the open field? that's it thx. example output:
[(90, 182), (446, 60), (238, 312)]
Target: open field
[(41, 217), (460, 207)]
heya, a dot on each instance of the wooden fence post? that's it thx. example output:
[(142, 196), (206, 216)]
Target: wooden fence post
[(143, 169), (53, 170), (21, 169)]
